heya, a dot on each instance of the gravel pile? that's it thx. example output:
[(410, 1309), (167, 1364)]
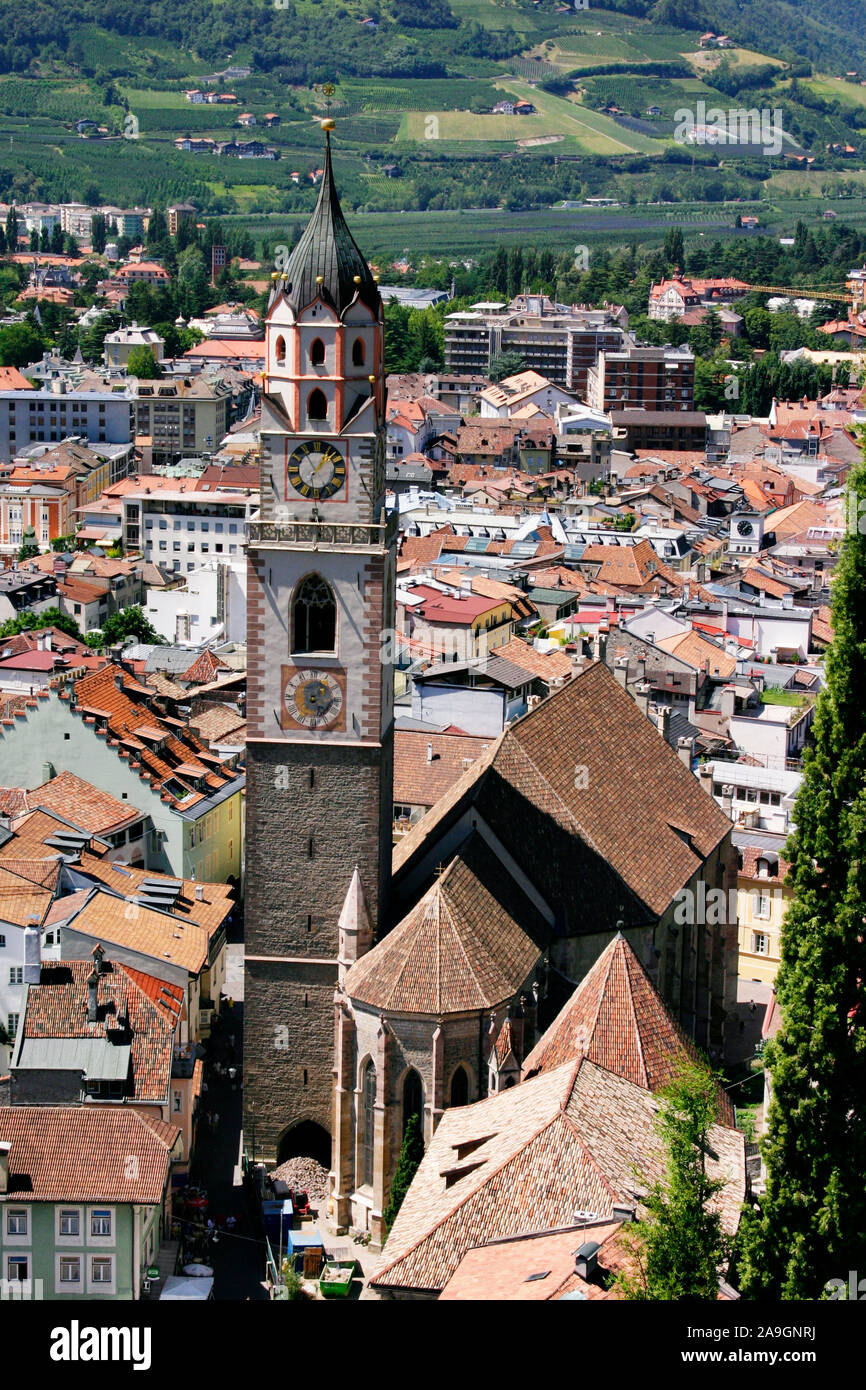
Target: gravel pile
[(306, 1174)]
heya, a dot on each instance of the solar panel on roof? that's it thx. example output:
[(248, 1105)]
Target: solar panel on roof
[(159, 885), (524, 550), (477, 545)]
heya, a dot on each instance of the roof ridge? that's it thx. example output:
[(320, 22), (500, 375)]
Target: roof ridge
[(620, 943)]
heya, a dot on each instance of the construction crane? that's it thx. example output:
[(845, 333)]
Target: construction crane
[(804, 292)]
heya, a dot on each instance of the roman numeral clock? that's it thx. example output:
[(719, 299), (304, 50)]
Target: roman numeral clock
[(316, 469)]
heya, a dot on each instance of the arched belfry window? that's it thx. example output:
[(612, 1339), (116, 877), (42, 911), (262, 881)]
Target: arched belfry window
[(368, 1123), (317, 405), (314, 616), (280, 349), (460, 1087), (413, 1099), (358, 352), (317, 352)]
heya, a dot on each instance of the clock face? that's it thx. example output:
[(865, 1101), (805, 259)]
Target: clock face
[(316, 469), (313, 699), (745, 528)]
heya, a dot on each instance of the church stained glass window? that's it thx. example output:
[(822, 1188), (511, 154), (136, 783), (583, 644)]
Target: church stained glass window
[(368, 1123)]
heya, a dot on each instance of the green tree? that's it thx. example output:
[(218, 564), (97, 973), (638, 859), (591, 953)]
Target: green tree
[(674, 249), (35, 622), (129, 622), (29, 546), (407, 1166), (811, 1224), (504, 364), (680, 1250), (142, 363), (19, 344), (97, 232)]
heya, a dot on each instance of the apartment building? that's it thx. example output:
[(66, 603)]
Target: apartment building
[(50, 416), (561, 344), (642, 378), (182, 526), (183, 418)]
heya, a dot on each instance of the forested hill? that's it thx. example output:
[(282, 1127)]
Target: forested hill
[(308, 39)]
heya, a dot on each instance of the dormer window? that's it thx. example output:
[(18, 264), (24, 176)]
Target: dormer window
[(317, 354)]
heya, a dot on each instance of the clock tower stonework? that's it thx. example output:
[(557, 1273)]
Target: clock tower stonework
[(321, 572)]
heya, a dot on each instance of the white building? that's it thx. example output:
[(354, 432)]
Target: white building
[(212, 603), (119, 345), (182, 528), (762, 798)]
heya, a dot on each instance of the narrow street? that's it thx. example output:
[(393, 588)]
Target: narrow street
[(238, 1255)]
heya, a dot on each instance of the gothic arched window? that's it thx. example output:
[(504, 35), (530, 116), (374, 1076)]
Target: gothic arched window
[(317, 352), (314, 616), (413, 1099), (368, 1123), (358, 352), (460, 1087), (280, 350), (317, 405)]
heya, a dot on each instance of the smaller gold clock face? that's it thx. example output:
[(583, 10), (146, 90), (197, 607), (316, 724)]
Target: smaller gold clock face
[(316, 469), (314, 699)]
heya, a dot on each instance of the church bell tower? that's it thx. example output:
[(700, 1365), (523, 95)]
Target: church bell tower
[(321, 571)]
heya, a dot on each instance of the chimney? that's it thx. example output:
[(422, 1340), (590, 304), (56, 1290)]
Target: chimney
[(32, 953), (642, 695), (429, 752), (93, 996), (586, 1259), (620, 670), (640, 670), (622, 1213), (663, 720), (4, 1167), (705, 776), (98, 954), (199, 892), (686, 751), (728, 801)]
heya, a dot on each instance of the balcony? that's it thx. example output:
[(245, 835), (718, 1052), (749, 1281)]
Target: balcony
[(321, 535)]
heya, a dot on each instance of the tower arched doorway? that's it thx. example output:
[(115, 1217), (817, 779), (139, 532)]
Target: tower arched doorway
[(305, 1140)]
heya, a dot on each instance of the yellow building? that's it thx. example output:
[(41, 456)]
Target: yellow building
[(762, 901)]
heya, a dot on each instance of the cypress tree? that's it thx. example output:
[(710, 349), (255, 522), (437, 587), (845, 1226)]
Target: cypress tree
[(811, 1223), (407, 1165)]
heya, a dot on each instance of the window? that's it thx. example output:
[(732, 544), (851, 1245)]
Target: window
[(70, 1222), (16, 1221), (460, 1087), (314, 616), (317, 405), (70, 1269), (368, 1122), (760, 943), (413, 1098), (18, 1267), (358, 352), (12, 1025), (280, 350), (100, 1269), (16, 974), (762, 907), (177, 1102), (100, 1223), (317, 352)]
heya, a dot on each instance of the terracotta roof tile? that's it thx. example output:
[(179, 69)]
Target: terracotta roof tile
[(80, 1154)]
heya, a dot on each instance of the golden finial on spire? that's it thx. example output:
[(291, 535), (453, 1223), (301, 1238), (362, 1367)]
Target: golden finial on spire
[(327, 90)]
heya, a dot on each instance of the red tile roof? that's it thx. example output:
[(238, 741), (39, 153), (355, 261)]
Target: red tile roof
[(82, 1154), (618, 1020), (57, 1008)]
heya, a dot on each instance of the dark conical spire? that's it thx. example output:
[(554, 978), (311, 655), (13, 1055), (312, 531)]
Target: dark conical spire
[(327, 249)]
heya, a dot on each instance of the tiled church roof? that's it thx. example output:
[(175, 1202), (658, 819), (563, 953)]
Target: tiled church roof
[(527, 1160), (584, 792), (618, 1020), (470, 943)]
